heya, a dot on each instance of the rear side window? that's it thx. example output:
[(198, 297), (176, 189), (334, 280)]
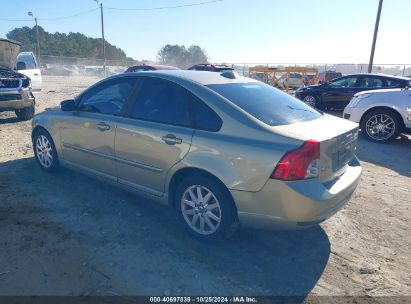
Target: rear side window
[(371, 82), (204, 117), (162, 101), (266, 103)]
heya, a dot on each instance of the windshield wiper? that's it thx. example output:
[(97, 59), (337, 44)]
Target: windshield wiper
[(292, 108)]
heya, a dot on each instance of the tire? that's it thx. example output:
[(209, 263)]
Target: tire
[(381, 125), (216, 219), (45, 151), (26, 113), (311, 100)]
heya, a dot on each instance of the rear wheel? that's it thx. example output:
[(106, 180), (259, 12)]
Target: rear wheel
[(381, 125), (205, 208), (26, 113), (45, 151)]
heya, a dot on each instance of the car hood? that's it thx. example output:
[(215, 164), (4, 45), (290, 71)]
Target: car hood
[(9, 50)]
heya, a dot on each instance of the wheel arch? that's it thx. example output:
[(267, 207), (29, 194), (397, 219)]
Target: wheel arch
[(187, 171), (384, 108)]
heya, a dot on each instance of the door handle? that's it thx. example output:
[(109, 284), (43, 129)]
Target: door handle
[(102, 126), (171, 139), (35, 74)]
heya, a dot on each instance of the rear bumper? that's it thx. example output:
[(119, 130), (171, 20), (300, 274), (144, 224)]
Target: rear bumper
[(299, 204), (11, 100)]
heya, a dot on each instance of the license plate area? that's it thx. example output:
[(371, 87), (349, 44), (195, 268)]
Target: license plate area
[(345, 152)]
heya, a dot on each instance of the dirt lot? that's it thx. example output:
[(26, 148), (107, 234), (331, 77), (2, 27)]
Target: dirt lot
[(66, 234)]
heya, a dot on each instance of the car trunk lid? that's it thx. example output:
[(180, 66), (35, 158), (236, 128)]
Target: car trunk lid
[(337, 138)]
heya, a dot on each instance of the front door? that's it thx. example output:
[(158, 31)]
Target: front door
[(155, 135), (87, 134), (27, 65), (339, 92)]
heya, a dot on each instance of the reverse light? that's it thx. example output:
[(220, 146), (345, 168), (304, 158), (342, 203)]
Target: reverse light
[(302, 163)]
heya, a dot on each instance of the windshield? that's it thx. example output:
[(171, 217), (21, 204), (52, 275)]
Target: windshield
[(266, 103)]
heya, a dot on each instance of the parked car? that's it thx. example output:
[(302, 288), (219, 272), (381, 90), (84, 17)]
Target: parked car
[(149, 67), (15, 88), (337, 93), (211, 68), (326, 76), (382, 114), (221, 149), (295, 80), (27, 65)]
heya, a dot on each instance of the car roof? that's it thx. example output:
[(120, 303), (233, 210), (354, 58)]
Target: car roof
[(201, 77), (155, 66), (378, 75)]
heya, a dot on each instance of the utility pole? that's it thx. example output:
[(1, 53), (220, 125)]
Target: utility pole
[(374, 41), (102, 35), (37, 36)]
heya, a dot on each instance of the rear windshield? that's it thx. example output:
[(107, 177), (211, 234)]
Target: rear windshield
[(266, 103)]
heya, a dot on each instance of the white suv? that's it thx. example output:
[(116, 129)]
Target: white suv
[(382, 114)]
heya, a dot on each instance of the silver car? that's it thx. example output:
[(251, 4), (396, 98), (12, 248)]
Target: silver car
[(221, 149)]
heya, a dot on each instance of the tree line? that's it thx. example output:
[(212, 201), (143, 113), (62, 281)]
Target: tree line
[(60, 44), (81, 46)]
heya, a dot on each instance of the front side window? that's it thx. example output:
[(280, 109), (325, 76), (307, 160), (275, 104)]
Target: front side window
[(27, 60), (266, 103), (162, 101), (108, 97), (348, 82)]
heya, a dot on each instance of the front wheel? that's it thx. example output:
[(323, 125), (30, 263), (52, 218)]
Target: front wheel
[(205, 208), (381, 126), (45, 151)]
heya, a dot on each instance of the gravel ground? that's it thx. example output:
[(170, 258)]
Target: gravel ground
[(66, 234)]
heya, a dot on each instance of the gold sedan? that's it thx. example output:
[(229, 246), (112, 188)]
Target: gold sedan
[(220, 148)]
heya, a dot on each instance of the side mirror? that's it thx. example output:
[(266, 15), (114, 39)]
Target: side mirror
[(68, 105)]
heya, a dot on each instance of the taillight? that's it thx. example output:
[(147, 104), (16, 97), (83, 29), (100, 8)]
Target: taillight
[(301, 163)]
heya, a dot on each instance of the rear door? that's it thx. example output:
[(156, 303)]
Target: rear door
[(155, 134), (87, 134), (27, 65), (339, 92)]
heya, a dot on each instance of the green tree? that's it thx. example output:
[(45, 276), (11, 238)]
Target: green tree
[(60, 44), (180, 56)]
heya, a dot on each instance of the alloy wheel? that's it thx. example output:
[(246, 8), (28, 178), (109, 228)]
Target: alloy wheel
[(201, 209), (44, 151), (380, 127)]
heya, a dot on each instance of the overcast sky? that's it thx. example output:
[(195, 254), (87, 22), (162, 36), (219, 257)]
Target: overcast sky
[(234, 31)]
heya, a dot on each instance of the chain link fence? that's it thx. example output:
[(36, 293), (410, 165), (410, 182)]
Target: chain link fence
[(72, 66), (345, 69), (59, 65)]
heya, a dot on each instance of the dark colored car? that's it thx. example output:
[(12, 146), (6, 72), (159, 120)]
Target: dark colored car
[(151, 67), (337, 93), (210, 68)]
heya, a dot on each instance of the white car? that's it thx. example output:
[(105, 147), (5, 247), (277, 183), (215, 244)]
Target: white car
[(27, 65), (382, 114), (294, 81)]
